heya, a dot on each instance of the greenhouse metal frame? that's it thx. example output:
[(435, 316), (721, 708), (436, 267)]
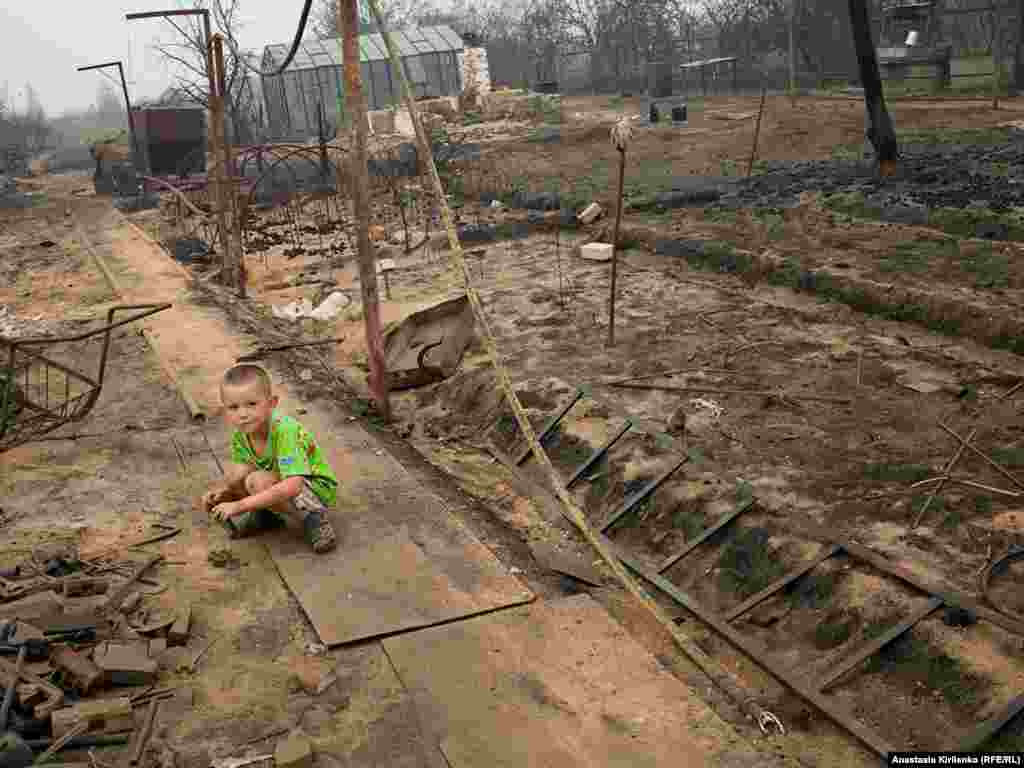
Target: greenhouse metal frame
[(314, 79)]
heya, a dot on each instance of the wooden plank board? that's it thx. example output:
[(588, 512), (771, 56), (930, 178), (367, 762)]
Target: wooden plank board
[(556, 683), (566, 563), (402, 561)]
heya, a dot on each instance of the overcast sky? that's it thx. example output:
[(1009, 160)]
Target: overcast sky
[(43, 41)]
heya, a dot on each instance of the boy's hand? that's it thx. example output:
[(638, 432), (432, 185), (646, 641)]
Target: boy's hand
[(213, 498), (226, 510)]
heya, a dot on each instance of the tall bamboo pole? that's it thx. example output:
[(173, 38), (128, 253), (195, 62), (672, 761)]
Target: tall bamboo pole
[(355, 103)]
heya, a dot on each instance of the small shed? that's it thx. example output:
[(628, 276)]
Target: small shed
[(313, 83), (171, 138)]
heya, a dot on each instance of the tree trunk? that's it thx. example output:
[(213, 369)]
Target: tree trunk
[(880, 129), (1018, 59)]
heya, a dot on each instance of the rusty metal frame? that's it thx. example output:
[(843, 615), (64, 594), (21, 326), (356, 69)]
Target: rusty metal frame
[(762, 658), (47, 417), (811, 692)]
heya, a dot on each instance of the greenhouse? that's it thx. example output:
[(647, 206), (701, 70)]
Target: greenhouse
[(314, 80)]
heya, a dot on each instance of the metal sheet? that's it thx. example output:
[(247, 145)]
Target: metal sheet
[(557, 683), (402, 562)]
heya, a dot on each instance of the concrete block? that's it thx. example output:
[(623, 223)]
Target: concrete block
[(591, 213), (178, 634), (157, 646), (98, 714), (126, 664), (597, 251), (296, 751)]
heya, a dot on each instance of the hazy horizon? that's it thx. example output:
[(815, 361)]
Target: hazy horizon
[(41, 47)]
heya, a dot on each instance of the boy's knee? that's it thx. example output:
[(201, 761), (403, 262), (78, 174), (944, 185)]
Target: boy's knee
[(259, 481)]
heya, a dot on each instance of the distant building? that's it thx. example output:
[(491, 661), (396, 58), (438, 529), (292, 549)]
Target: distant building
[(313, 83)]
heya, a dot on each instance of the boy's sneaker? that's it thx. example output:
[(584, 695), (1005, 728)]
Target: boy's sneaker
[(319, 532), (249, 523)]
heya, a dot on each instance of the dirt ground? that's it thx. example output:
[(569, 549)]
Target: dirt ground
[(842, 417), (815, 406)]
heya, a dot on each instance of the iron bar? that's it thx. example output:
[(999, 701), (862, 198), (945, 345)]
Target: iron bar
[(584, 468), (127, 106), (773, 666), (878, 643), (742, 507), (952, 598), (549, 427), (759, 597), (643, 493)]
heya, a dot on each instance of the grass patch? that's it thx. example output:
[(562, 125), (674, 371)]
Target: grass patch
[(952, 520), (748, 564), (506, 427), (916, 256), (991, 268), (1009, 457), (884, 472), (629, 487), (816, 589), (986, 136), (913, 658), (690, 521), (616, 102), (719, 216), (835, 629)]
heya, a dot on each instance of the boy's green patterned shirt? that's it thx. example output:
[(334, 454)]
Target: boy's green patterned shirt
[(291, 450)]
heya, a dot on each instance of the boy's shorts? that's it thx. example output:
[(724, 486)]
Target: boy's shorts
[(261, 519)]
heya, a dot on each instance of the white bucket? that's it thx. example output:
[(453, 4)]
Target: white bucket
[(912, 37)]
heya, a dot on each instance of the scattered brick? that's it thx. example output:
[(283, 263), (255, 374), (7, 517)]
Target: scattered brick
[(126, 664), (178, 634)]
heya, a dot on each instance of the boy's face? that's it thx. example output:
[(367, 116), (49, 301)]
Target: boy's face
[(248, 406)]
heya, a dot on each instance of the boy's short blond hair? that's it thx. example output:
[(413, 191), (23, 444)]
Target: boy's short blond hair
[(245, 374)]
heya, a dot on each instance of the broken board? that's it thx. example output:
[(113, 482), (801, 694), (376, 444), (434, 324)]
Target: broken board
[(402, 561), (566, 563), (567, 674)]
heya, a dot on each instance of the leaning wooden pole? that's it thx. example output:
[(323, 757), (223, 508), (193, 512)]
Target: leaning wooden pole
[(720, 676), (348, 18)]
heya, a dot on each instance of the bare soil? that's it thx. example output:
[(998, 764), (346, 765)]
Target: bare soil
[(819, 408)]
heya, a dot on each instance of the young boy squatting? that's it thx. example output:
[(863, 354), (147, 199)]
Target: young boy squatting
[(276, 469)]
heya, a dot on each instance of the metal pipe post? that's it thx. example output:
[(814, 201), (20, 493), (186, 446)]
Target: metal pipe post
[(355, 101)]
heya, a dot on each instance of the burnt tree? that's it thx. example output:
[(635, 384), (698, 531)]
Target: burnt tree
[(880, 130)]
